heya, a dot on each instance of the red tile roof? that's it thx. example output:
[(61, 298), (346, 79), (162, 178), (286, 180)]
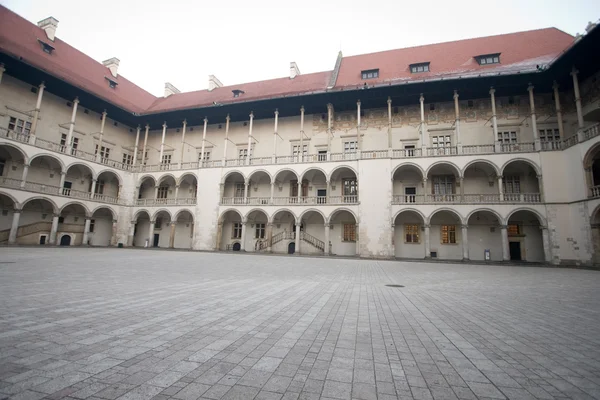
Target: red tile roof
[(518, 51)]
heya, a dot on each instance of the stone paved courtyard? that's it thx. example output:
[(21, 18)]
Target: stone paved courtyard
[(133, 325)]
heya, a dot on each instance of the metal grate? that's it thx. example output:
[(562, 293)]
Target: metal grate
[(394, 286)]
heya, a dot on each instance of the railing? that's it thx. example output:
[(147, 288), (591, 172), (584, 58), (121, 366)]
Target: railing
[(262, 244), (522, 197), (19, 137), (443, 198), (489, 198), (78, 194), (442, 151), (408, 199), (371, 154), (233, 201), (259, 200), (403, 153), (46, 144), (284, 159), (166, 202), (319, 244), (10, 182), (591, 131), (570, 141), (594, 191), (517, 147), (261, 160), (285, 235), (190, 165), (105, 198), (551, 145), (41, 188), (343, 199), (285, 200), (478, 149), (80, 153), (26, 230), (481, 198), (343, 156)]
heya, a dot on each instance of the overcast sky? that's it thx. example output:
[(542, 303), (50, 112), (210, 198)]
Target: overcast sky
[(183, 41)]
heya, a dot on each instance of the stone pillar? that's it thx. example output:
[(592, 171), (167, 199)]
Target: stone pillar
[(203, 143), (541, 187), (156, 192), (457, 122), (494, 120), (246, 189), (580, 123), (131, 235), (274, 158), (536, 138), (135, 148), (24, 175), (358, 138), (14, 228), (151, 233), (183, 142), (559, 118), (422, 126), (297, 247), (144, 149), (100, 142), (427, 241), (176, 192), (327, 247), (219, 236), (272, 192), (36, 113), (546, 242), (462, 188), (68, 144), (250, 138), (61, 184), (113, 236), (2, 69), (301, 150), (54, 229), (93, 188), (356, 233), (501, 188), (327, 189), (329, 129), (86, 231), (162, 142), (393, 242), (227, 119), (243, 244), (172, 235), (465, 242), (505, 247), (389, 104), (269, 236)]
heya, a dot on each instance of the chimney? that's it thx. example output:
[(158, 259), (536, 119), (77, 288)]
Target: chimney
[(49, 26), (213, 83), (294, 70), (170, 89), (112, 64)]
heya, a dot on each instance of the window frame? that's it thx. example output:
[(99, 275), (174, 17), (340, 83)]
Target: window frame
[(419, 68), (506, 137), (162, 192), (349, 232), (488, 59), (448, 234), (412, 231), (260, 230), (350, 146), (236, 230), (369, 74)]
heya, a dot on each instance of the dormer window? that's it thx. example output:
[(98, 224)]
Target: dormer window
[(419, 67), (48, 48), (237, 92), (486, 59), (111, 82), (370, 73)]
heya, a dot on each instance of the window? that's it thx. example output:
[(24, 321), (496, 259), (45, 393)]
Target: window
[(46, 47), (443, 184), (296, 150), (259, 232), (240, 188), (549, 135), (166, 159), (19, 126), (441, 141), (350, 187), (236, 232), (243, 153), (370, 73), (350, 147), (74, 143), (92, 224), (162, 192), (513, 230), (410, 194), (112, 84), (322, 155), (507, 137), (104, 152), (488, 59), (99, 187), (127, 159), (411, 233), (448, 234), (512, 184), (237, 92), (2, 164), (420, 67), (158, 223), (61, 220), (410, 150), (349, 233), (206, 156)]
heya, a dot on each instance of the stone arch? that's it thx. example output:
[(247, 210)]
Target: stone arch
[(272, 218), (137, 214), (541, 218), (176, 216), (341, 167), (256, 210), (52, 203), (483, 161), (81, 164), (182, 177), (524, 160), (110, 171), (444, 162), (595, 214), (409, 164), (251, 174), (162, 210), (494, 212), (450, 210), (276, 174), (51, 156), (144, 178), (75, 203), (114, 214), (16, 204), (337, 210), (233, 210), (19, 150), (588, 159), (418, 212), (235, 171), (312, 210), (303, 173), (163, 177)]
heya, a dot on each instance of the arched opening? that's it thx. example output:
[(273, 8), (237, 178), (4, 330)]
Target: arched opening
[(44, 174), (313, 239), (485, 236), (234, 189), (12, 162), (259, 189), (141, 235), (35, 223), (520, 183), (184, 230), (316, 182), (481, 183), (291, 248), (72, 222), (283, 225), (591, 166), (525, 239), (146, 191), (287, 189), (344, 186), (65, 240), (101, 224), (343, 233), (78, 181), (7, 208), (407, 185), (256, 234), (161, 229), (229, 230), (188, 189), (236, 246), (445, 236), (165, 194), (107, 187), (409, 240), (443, 183), (595, 225)]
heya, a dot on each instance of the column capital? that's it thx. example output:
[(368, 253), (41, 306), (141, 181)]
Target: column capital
[(555, 85), (251, 115), (358, 103), (426, 226), (574, 71), (421, 98), (55, 215), (42, 85), (134, 222), (139, 127), (205, 120), (88, 218), (164, 125), (302, 109), (17, 210), (114, 221), (76, 101), (543, 227), (530, 87), (227, 118), (184, 122), (243, 223), (276, 111), (389, 100), (2, 69), (147, 126), (104, 114), (63, 172), (539, 176), (492, 90), (393, 226), (455, 97), (177, 186), (329, 106), (464, 226), (173, 223), (153, 221), (504, 227)]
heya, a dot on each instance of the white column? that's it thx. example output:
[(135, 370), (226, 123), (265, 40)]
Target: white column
[(137, 142), (227, 119), (269, 236), (561, 129), (182, 141), (176, 192), (457, 122), (24, 175), (246, 188), (494, 120), (389, 104), (327, 188), (272, 192), (297, 247), (61, 183), (156, 192), (422, 130), (72, 124), (243, 244), (580, 123), (358, 139), (393, 241), (465, 241), (144, 149), (151, 234), (357, 250), (250, 138), (86, 231), (14, 228), (54, 229), (327, 253), (131, 235), (329, 127), (546, 242), (505, 247), (2, 69), (203, 142), (99, 154), (536, 139), (301, 150), (93, 188), (172, 235), (162, 142), (427, 241), (501, 188), (36, 113), (274, 158)]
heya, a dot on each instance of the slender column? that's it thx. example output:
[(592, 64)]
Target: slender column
[(393, 242), (172, 235), (301, 150), (219, 236), (427, 241), (24, 176), (156, 192), (113, 237), (500, 188), (36, 112), (131, 235), (389, 103), (137, 142), (465, 242), (203, 142), (2, 69), (86, 231), (462, 188), (176, 192), (457, 122), (422, 130), (269, 236), (14, 228), (144, 149), (357, 250), (541, 187), (580, 123), (246, 187), (68, 144), (162, 142), (243, 244), (275, 138), (536, 139), (505, 247), (546, 242), (61, 184), (183, 141), (99, 154), (327, 249), (329, 127), (297, 248), (358, 139), (227, 119), (494, 120), (272, 192), (250, 138), (151, 234), (327, 188), (93, 188), (561, 129), (54, 229)]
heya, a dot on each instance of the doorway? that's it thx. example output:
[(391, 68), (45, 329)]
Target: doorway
[(410, 194), (321, 196), (291, 248), (43, 239), (67, 188), (515, 251), (237, 246), (65, 240), (156, 237)]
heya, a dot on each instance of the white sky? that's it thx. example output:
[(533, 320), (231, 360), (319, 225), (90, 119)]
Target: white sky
[(183, 41)]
